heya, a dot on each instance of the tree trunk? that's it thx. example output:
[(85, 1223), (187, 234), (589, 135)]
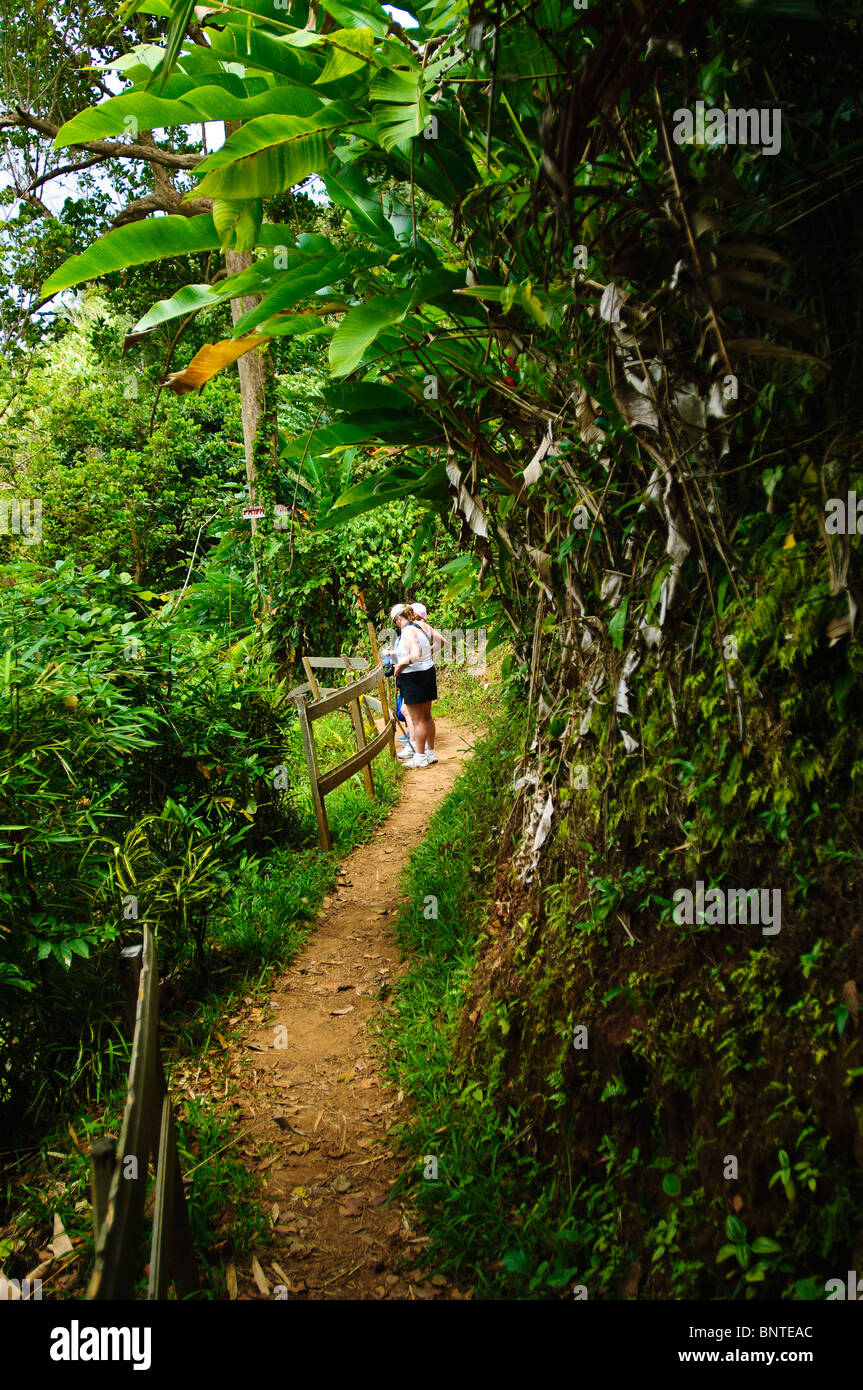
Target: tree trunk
[(252, 370)]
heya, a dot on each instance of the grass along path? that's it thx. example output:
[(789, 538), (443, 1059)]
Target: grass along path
[(313, 1087)]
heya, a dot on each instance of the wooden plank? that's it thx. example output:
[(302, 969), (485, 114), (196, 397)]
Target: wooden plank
[(130, 974), (337, 663), (319, 708), (163, 1205), (382, 689), (355, 763), (172, 1253), (312, 765), (102, 1152), (370, 705), (360, 733), (311, 678), (117, 1251)]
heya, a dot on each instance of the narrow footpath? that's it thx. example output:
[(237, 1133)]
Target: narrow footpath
[(311, 1082)]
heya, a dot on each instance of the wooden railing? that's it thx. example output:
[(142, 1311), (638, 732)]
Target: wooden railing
[(327, 703), (119, 1173)]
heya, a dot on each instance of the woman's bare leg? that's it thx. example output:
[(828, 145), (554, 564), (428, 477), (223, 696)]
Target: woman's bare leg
[(431, 727), (418, 726)]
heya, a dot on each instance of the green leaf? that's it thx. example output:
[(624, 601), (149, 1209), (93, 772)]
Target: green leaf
[(403, 110), (293, 286), (370, 15), (671, 1185), (350, 50), (617, 625), (515, 1262), (350, 190), (272, 153), (765, 1246), (262, 49), (358, 330), (735, 1230), (189, 300), (238, 222), (219, 98), (134, 244)]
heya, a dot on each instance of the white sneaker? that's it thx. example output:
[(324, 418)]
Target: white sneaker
[(419, 760), (430, 756), (404, 752)]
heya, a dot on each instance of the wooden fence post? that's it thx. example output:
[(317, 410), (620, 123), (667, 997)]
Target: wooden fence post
[(102, 1155), (312, 764), (311, 678), (356, 716), (131, 961), (172, 1252), (383, 691)]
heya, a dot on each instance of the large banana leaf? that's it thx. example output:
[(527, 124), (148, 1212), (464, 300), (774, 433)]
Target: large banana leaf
[(401, 111), (150, 240), (238, 222), (192, 298), (211, 358), (272, 153), (350, 50), (293, 286), (358, 330), (154, 239), (407, 481), (210, 102), (369, 15), (350, 190), (268, 52)]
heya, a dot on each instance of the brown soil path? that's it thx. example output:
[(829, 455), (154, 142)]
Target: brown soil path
[(313, 1085)]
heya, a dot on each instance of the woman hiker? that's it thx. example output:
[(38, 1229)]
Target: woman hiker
[(436, 638), (416, 682)]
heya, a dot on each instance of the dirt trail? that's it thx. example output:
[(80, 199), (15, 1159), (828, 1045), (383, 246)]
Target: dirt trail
[(313, 1085)]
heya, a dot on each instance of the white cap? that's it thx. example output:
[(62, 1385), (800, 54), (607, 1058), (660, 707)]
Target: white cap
[(420, 610), (396, 610)]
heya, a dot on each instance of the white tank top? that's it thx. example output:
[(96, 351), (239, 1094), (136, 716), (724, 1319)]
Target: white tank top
[(425, 662)]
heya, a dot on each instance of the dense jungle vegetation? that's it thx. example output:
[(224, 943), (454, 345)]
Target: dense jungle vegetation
[(510, 336)]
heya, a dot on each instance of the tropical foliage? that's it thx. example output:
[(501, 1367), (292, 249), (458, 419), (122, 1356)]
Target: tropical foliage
[(623, 356)]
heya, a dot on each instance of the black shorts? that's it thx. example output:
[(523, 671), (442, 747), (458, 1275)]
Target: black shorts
[(418, 687)]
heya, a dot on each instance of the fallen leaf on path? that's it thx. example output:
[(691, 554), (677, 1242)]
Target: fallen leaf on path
[(341, 1183), (279, 1273), (338, 1013), (299, 1192), (260, 1278), (231, 1281), (352, 1207)]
